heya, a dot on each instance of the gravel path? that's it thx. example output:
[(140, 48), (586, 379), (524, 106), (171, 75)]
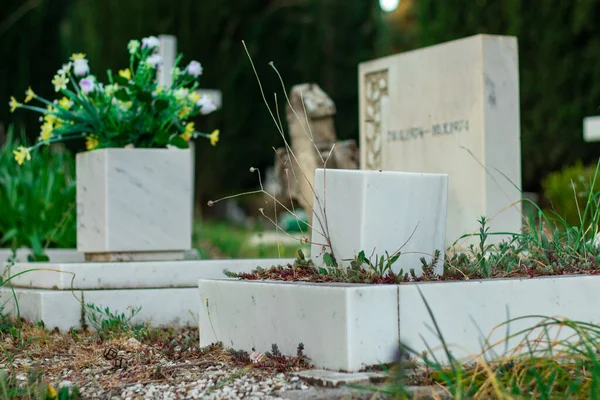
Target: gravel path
[(165, 365)]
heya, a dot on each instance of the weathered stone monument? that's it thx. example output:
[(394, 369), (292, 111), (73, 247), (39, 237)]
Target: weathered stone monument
[(451, 108), (312, 136)]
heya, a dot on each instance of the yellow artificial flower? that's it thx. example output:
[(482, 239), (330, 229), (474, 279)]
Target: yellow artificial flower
[(65, 103), (214, 137), (77, 56), (125, 105), (188, 132), (29, 95), (109, 90), (91, 142), (51, 392), (14, 104), (125, 73), (160, 89), (194, 97), (50, 118), (46, 131), (21, 154), (184, 112), (60, 82)]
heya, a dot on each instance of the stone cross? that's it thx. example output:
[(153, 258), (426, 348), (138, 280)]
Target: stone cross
[(168, 52)]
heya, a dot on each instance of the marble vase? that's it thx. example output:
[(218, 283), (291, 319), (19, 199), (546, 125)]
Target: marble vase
[(134, 201)]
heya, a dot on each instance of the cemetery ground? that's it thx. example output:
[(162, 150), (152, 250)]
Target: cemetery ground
[(118, 359)]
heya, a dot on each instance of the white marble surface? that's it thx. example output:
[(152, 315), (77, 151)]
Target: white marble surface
[(134, 200), (342, 327), (452, 108), (468, 311), (68, 255), (55, 255), (130, 275), (379, 211), (591, 129), (62, 309)]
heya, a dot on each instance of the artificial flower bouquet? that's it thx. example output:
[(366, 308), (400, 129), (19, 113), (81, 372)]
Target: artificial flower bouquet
[(131, 110)]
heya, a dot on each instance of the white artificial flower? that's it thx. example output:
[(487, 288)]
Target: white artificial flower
[(80, 67), (206, 104), (194, 69), (87, 85), (133, 46), (150, 42), (65, 69), (154, 60), (181, 94)]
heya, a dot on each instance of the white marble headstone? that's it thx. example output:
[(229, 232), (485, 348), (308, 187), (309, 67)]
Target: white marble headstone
[(452, 108), (378, 212)]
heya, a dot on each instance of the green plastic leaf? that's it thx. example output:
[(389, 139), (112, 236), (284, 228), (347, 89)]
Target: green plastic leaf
[(161, 104), (178, 142), (122, 95), (121, 81), (162, 137), (145, 97)]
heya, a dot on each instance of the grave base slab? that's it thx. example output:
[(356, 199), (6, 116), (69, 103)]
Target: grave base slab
[(62, 309), (351, 326), (166, 291), (136, 256), (341, 326), (129, 275), (70, 255)]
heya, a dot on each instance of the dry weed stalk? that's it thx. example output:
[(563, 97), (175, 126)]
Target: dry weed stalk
[(321, 217)]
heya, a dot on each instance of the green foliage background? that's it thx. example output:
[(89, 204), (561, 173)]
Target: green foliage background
[(320, 41), (308, 40)]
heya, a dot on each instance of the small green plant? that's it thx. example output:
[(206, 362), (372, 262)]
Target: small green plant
[(38, 199), (381, 266), (108, 324), (304, 270), (567, 191)]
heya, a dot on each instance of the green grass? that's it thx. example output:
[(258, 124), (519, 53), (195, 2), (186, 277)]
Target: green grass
[(555, 358), (37, 198), (229, 241)]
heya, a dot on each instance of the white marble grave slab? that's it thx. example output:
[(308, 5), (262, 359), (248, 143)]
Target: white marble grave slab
[(379, 211), (165, 307), (131, 200), (452, 108), (342, 326), (129, 275)]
